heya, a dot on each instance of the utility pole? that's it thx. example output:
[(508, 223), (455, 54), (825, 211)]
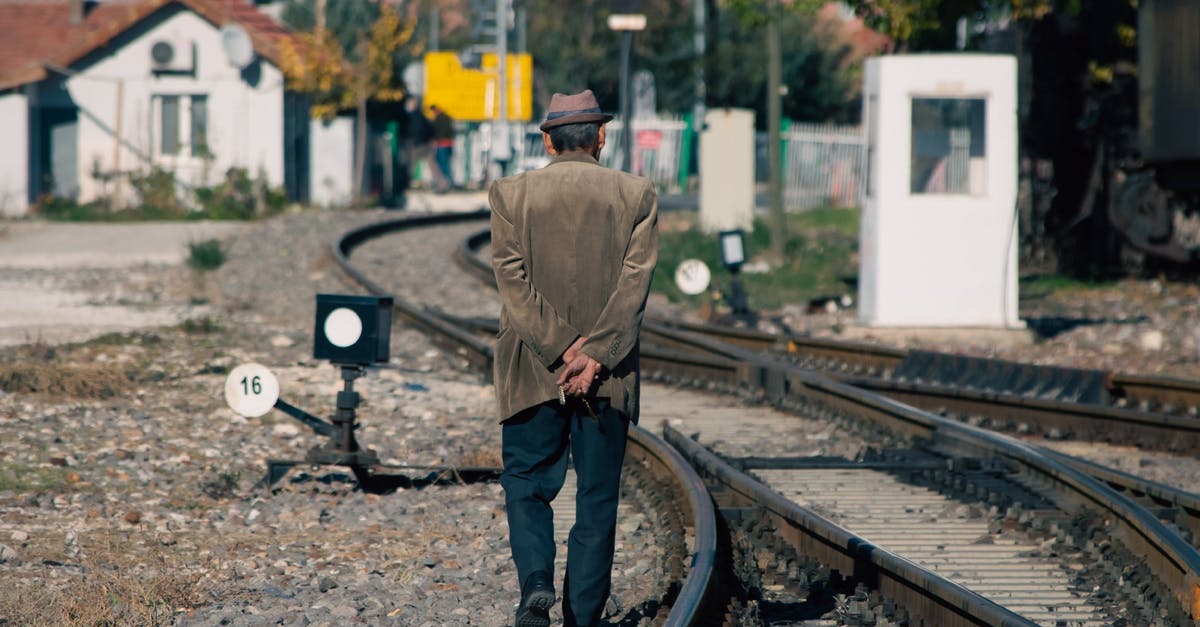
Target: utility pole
[(626, 24), (501, 145), (435, 26), (698, 43), (698, 46), (774, 141)]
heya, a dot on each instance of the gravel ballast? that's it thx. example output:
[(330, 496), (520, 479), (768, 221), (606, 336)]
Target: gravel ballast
[(127, 487)]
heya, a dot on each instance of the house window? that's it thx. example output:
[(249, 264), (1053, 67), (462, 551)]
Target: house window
[(949, 151), (170, 125), (182, 125), (199, 113)]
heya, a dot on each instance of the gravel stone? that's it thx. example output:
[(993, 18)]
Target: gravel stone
[(167, 473)]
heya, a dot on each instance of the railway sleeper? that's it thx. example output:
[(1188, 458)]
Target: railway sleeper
[(776, 584)]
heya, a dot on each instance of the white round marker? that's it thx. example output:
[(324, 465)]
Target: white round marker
[(251, 390), (692, 276), (343, 327)]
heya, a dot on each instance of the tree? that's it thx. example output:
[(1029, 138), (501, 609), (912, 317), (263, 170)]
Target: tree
[(318, 65), (929, 24)]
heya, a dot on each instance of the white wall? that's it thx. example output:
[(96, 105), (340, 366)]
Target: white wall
[(14, 158), (118, 129), (939, 259), (727, 170), (332, 167)]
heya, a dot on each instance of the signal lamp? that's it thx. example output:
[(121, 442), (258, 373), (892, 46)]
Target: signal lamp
[(353, 330)]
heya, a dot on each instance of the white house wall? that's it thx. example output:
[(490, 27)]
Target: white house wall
[(118, 129), (14, 159), (332, 161)]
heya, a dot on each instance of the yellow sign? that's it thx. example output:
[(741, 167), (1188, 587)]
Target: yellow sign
[(471, 95)]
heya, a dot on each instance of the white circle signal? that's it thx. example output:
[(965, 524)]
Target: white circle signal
[(343, 327), (251, 390), (692, 276)]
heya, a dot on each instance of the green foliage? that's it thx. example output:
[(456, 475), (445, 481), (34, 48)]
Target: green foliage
[(161, 197), (1045, 285), (929, 24), (206, 255), (157, 190), (67, 210), (820, 251), (200, 326), (820, 85), (18, 478), (345, 18), (234, 198), (573, 48)]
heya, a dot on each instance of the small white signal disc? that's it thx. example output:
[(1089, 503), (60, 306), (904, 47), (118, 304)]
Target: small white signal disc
[(251, 390), (692, 276), (343, 327)]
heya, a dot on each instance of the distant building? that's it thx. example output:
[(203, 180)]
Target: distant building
[(91, 92)]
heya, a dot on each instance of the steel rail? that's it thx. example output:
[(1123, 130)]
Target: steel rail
[(927, 596), (1163, 391), (1090, 422), (698, 583), (1172, 559), (671, 351)]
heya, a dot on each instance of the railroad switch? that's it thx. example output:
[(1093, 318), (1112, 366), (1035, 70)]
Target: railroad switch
[(352, 332)]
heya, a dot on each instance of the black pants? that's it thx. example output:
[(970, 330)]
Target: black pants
[(535, 466)]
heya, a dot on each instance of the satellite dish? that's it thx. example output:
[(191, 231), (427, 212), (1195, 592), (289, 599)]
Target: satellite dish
[(692, 276), (238, 47)]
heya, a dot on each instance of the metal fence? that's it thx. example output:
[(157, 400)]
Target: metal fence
[(657, 150), (823, 166)]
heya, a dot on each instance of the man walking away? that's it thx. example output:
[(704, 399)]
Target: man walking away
[(418, 141), (574, 246), (443, 146)]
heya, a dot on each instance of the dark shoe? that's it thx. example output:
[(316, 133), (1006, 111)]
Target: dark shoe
[(536, 600)]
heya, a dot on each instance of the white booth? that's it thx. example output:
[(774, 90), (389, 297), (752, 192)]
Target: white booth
[(938, 243)]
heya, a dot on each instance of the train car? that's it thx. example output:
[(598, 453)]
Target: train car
[(1110, 137), (1154, 201)]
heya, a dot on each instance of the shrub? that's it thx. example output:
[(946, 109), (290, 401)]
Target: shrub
[(206, 255)]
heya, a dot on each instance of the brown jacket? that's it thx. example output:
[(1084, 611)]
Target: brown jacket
[(574, 246)]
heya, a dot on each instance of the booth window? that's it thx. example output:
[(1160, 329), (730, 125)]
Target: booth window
[(949, 148)]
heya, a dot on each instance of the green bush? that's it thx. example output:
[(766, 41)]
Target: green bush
[(206, 255), (158, 191), (160, 198)]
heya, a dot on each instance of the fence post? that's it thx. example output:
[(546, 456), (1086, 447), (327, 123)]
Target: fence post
[(685, 151)]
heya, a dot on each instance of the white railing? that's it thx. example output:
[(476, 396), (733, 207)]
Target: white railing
[(823, 166), (656, 151)]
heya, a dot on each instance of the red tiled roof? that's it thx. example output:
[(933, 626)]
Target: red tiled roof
[(37, 34)]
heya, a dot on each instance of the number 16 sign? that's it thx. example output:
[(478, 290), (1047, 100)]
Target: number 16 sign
[(251, 390)]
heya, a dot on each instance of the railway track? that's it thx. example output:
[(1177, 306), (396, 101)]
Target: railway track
[(957, 462)]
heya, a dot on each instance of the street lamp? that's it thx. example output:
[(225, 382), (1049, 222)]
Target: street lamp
[(626, 24)]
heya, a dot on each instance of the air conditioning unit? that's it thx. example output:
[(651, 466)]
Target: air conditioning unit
[(172, 56)]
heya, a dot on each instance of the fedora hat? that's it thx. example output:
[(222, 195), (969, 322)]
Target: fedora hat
[(573, 109)]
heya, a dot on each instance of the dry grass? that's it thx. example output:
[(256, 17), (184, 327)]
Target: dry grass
[(109, 582), (75, 371), (75, 381)]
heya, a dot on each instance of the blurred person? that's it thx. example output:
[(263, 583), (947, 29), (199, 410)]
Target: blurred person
[(574, 245), (443, 146), (418, 141)]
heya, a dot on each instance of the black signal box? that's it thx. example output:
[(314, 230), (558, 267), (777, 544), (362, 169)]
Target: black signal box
[(353, 330)]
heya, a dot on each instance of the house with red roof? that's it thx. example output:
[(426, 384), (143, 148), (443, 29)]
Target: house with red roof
[(92, 93)]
